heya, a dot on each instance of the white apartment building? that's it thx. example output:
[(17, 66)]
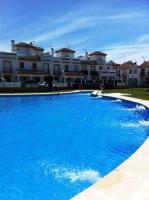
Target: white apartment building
[(28, 63), (144, 73), (128, 74)]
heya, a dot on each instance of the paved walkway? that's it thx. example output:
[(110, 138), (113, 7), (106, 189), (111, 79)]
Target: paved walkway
[(129, 181)]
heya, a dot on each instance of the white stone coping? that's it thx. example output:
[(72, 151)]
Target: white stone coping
[(130, 180), (43, 93)]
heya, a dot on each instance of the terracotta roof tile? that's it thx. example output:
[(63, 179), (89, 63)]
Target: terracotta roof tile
[(127, 65), (97, 53), (23, 44), (65, 50), (145, 64)]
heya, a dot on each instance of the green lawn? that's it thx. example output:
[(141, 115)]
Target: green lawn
[(141, 93)]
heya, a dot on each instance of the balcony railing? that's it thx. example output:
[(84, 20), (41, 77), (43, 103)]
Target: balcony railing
[(75, 73), (7, 71), (57, 73), (32, 72)]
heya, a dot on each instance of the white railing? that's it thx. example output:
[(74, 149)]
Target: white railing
[(10, 84), (61, 85)]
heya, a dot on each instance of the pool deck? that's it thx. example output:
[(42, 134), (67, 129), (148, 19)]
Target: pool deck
[(130, 180)]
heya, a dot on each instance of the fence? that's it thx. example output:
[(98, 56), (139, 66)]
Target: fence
[(10, 84)]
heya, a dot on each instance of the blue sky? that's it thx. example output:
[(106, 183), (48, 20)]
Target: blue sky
[(118, 27)]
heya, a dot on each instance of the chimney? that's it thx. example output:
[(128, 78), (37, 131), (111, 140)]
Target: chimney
[(52, 52), (86, 55), (13, 49)]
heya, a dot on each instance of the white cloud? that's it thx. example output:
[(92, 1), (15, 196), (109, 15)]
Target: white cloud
[(78, 24), (137, 51), (143, 39), (77, 21), (69, 43), (126, 15)]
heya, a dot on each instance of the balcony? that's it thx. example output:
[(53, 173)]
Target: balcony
[(7, 71), (28, 57), (31, 72), (57, 73), (75, 73)]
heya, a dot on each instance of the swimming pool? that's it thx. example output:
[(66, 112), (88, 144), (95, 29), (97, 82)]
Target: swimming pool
[(53, 147)]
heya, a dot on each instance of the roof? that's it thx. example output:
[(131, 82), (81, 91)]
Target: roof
[(65, 50), (128, 64), (111, 62), (97, 53), (23, 44), (145, 64)]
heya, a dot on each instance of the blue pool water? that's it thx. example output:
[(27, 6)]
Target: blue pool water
[(53, 147)]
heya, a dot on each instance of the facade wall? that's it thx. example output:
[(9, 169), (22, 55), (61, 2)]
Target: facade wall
[(65, 54)]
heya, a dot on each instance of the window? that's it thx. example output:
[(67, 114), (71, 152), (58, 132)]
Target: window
[(34, 66), (135, 81), (76, 68), (130, 71), (130, 81), (21, 65), (104, 78), (101, 59), (93, 69), (66, 68), (56, 69), (7, 66), (84, 68), (66, 55), (108, 68), (46, 67), (135, 71)]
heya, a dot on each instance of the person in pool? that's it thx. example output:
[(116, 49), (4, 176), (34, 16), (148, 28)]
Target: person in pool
[(101, 91), (102, 86)]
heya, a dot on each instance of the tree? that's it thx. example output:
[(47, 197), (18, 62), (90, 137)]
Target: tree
[(49, 81)]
